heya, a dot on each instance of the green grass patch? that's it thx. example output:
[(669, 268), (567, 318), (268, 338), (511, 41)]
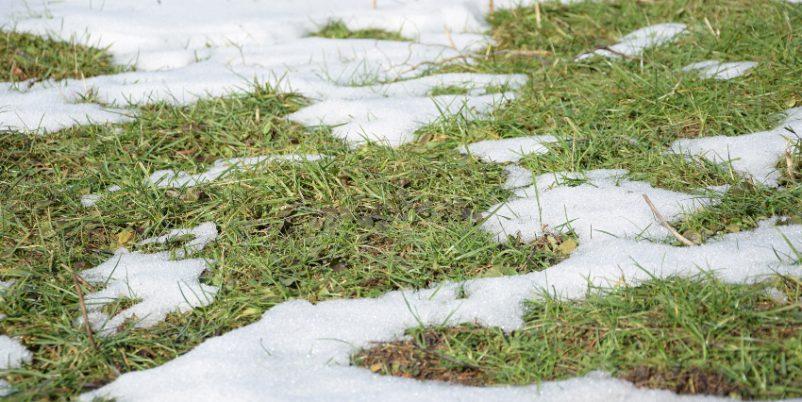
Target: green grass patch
[(338, 30), (695, 336), (25, 57)]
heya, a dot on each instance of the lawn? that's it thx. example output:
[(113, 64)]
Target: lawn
[(369, 220)]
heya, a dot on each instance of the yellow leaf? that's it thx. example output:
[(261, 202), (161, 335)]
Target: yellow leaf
[(376, 367), (124, 237), (567, 246)]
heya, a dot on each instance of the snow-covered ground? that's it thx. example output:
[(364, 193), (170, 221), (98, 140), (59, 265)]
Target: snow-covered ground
[(373, 91)]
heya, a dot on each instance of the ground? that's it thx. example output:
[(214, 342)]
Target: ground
[(372, 219)]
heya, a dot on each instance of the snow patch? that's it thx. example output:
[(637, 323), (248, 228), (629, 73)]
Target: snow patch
[(223, 47), (510, 149), (719, 70), (300, 350), (636, 42), (595, 205), (391, 121), (157, 282), (12, 355), (517, 177), (754, 155)]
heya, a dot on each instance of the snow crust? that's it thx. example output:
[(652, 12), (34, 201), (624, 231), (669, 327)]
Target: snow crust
[(510, 149), (719, 70), (754, 155), (159, 283), (169, 178), (300, 350), (636, 42)]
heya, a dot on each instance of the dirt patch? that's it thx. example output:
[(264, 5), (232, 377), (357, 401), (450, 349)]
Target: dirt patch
[(422, 358), (682, 381)]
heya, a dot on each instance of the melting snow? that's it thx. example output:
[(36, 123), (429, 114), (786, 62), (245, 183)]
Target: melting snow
[(169, 178), (225, 46), (755, 155), (635, 43), (720, 71), (157, 282), (300, 350)]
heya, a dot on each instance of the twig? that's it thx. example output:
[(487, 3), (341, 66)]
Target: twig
[(537, 14), (491, 6), (373, 4), (616, 52), (665, 224), (84, 313), (789, 164), (83, 282)]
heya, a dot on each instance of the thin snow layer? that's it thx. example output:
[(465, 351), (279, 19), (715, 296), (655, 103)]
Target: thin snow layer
[(300, 350), (169, 178), (719, 70), (754, 155), (510, 149), (636, 42), (595, 205), (158, 283), (391, 121), (223, 47)]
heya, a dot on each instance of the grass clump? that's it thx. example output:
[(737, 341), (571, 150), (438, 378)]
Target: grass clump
[(338, 30), (24, 57), (694, 336)]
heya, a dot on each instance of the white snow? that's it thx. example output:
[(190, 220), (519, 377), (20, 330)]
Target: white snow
[(12, 353), (391, 121), (636, 42), (300, 351), (595, 205), (517, 177), (754, 155), (719, 70), (169, 178), (510, 149), (158, 282), (223, 48)]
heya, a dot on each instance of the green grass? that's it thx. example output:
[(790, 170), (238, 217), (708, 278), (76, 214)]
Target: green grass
[(25, 57), (338, 30), (687, 335), (375, 219)]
